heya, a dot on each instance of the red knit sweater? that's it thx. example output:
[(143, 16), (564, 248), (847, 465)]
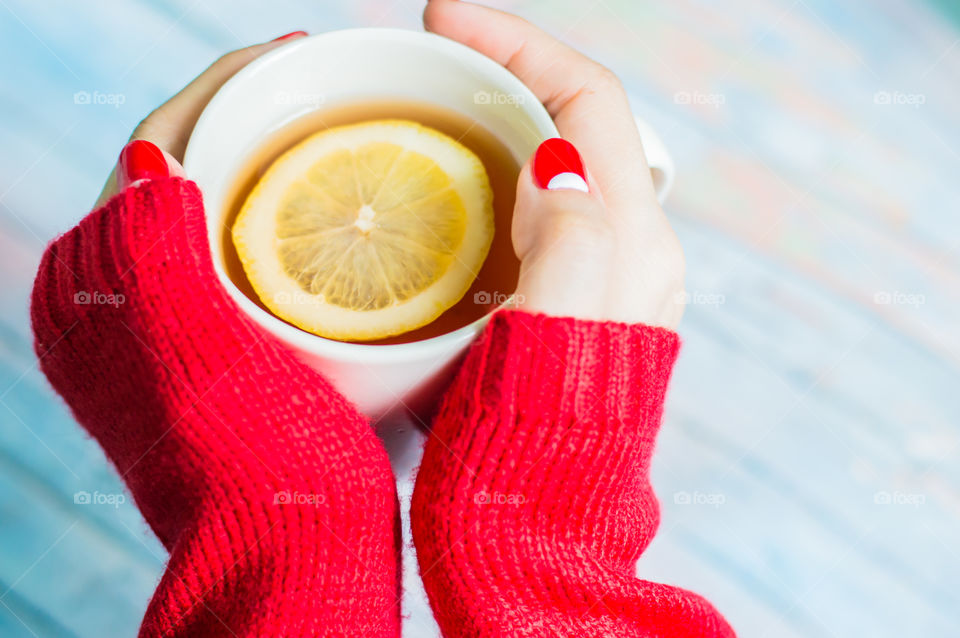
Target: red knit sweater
[(274, 496)]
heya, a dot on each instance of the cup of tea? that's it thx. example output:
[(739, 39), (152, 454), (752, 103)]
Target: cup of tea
[(353, 76)]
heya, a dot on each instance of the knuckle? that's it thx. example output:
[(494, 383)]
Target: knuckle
[(606, 79), (155, 125), (228, 59), (230, 62), (146, 127)]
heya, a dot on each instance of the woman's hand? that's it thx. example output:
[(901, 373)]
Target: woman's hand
[(533, 502), (168, 127), (271, 492), (607, 254)]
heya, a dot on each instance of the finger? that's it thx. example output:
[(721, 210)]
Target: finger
[(554, 178), (562, 235), (586, 100), (140, 160), (170, 125)]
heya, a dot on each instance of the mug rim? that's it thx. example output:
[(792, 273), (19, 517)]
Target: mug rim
[(315, 344)]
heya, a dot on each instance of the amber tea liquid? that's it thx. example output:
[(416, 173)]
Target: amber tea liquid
[(497, 277)]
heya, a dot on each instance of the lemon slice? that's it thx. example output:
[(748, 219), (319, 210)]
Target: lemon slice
[(368, 230)]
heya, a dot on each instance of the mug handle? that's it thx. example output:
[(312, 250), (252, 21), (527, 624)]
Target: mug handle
[(658, 158)]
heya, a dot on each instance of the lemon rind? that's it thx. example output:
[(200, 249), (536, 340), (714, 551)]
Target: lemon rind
[(255, 236)]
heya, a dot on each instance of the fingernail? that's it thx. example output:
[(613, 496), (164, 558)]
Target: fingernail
[(140, 159), (557, 165), (289, 36)]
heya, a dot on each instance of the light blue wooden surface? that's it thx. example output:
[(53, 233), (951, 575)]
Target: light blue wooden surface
[(803, 401)]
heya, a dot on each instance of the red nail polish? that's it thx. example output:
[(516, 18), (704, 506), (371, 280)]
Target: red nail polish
[(140, 159), (557, 165), (294, 34)]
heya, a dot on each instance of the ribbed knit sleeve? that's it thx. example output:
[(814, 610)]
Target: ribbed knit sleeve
[(270, 491), (533, 501)]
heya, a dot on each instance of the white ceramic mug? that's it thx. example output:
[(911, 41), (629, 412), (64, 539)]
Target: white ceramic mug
[(349, 66)]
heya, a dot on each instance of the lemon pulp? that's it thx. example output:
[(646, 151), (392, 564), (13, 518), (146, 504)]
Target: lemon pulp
[(367, 230)]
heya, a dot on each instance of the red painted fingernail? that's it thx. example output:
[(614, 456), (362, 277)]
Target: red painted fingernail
[(294, 34), (140, 159), (557, 165)]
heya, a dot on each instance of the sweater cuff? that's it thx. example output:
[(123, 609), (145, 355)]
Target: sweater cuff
[(152, 218), (563, 369)]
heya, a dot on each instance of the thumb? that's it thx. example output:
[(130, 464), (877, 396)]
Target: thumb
[(562, 234), (139, 160), (554, 193)]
